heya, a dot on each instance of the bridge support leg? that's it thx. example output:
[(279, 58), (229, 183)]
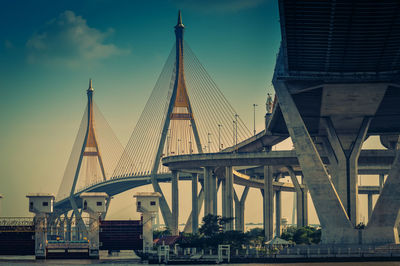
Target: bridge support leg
[(336, 227), (229, 196), (80, 225), (40, 235), (305, 206), (239, 209), (369, 205), (278, 216), (207, 191), (223, 198), (94, 205), (61, 227), (381, 182), (301, 199), (382, 228), (344, 164), (214, 194), (68, 227), (195, 210), (268, 208), (175, 203), (189, 225)]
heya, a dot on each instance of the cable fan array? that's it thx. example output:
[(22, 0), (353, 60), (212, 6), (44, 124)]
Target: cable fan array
[(217, 123)]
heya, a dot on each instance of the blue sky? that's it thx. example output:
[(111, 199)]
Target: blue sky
[(49, 50)]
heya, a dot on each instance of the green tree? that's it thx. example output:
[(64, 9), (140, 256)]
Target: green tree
[(213, 224), (255, 236), (302, 235), (161, 233)]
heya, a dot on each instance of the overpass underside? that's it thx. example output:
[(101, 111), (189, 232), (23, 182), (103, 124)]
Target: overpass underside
[(337, 82)]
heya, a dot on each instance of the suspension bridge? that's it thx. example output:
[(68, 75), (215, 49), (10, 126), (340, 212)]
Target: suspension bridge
[(333, 90)]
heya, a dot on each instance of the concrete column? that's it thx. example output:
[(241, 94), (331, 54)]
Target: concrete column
[(238, 212), (305, 206), (239, 209), (381, 182), (207, 191), (382, 228), (61, 227), (223, 197), (195, 210), (94, 204), (344, 165), (268, 210), (68, 228), (229, 196), (278, 216), (175, 203), (336, 227), (369, 205), (214, 194), (298, 196), (40, 235), (200, 199), (147, 203), (42, 206)]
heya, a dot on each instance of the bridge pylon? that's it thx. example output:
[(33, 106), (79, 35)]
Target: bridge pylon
[(179, 108), (90, 149)]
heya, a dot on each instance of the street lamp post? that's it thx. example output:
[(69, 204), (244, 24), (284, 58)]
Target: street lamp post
[(209, 141), (190, 139), (236, 123), (219, 137), (233, 132), (254, 116)]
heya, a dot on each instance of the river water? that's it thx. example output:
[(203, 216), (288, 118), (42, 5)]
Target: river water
[(128, 258)]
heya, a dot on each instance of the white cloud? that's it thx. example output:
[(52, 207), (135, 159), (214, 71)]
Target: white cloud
[(69, 40), (207, 6)]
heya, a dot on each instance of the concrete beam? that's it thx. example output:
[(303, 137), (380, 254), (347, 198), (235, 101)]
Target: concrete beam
[(367, 158)]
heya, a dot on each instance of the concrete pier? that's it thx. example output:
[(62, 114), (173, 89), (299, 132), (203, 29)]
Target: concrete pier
[(239, 209), (214, 197), (278, 213), (195, 210), (175, 203), (369, 205), (229, 196), (268, 208), (301, 199), (207, 191)]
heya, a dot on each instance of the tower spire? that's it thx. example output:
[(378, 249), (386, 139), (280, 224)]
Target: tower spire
[(180, 24), (90, 85)]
